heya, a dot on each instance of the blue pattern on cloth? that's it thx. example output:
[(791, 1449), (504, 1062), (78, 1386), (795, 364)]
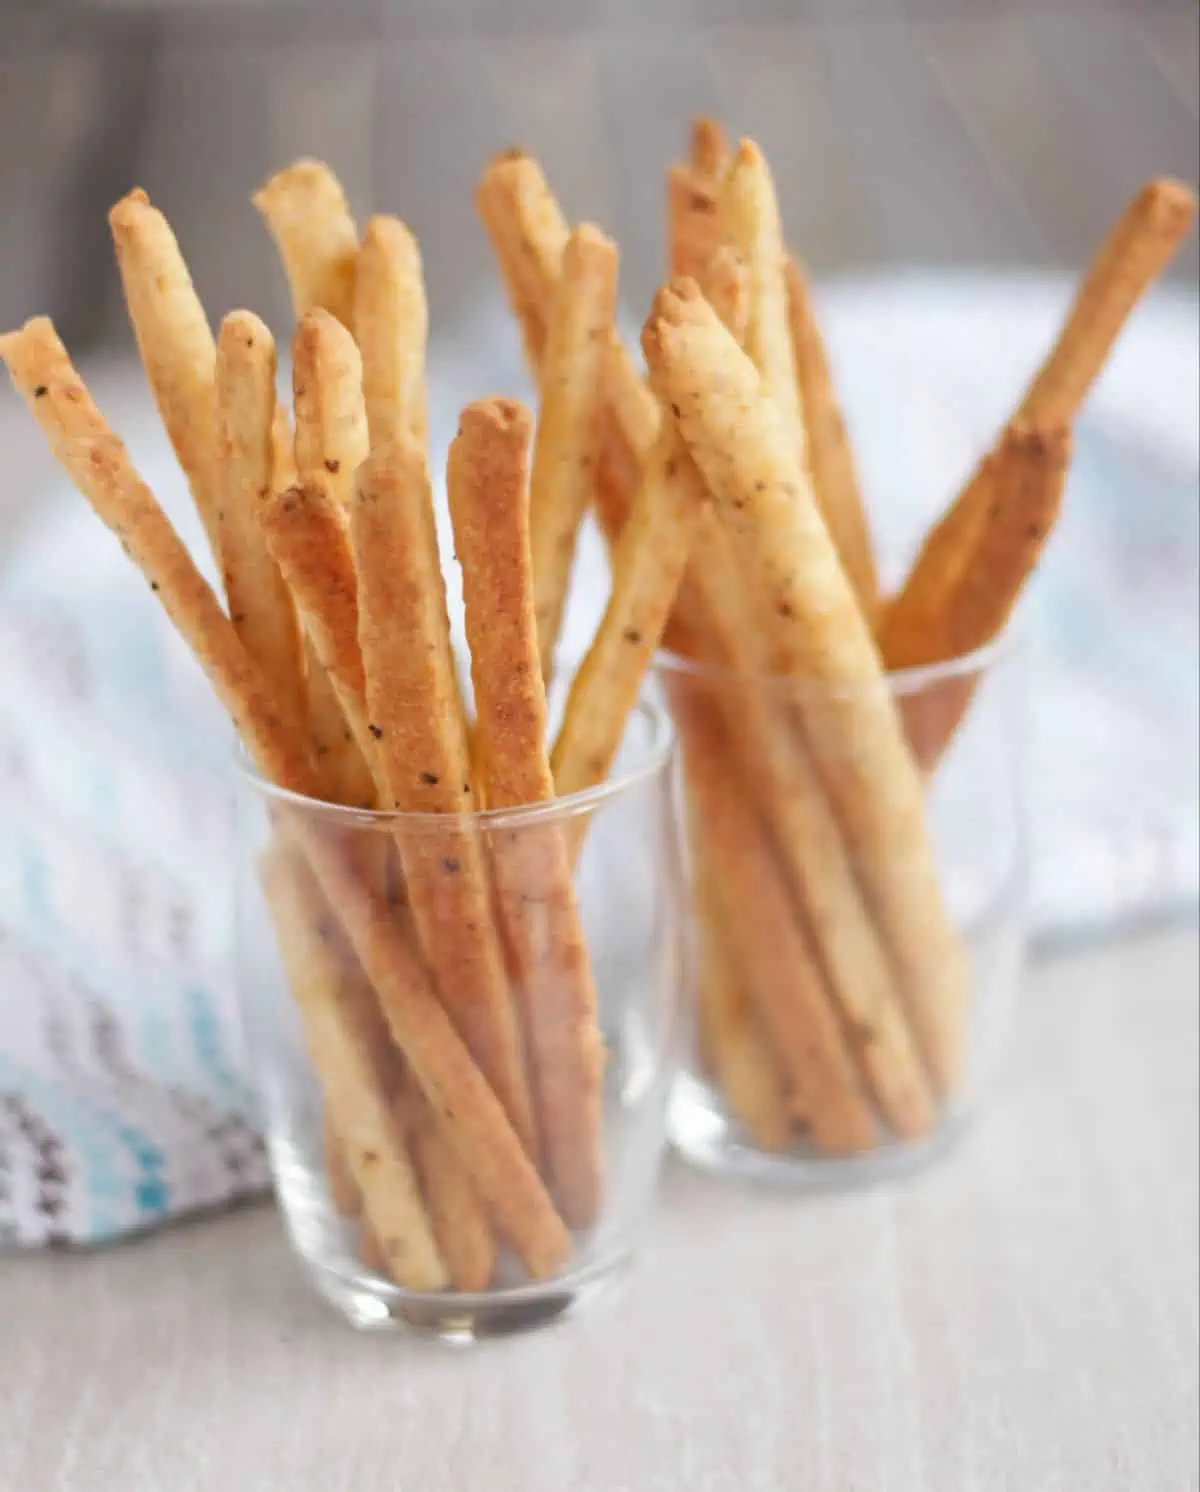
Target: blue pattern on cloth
[(124, 1092)]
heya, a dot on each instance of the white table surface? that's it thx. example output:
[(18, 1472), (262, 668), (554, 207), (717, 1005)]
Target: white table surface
[(1022, 1318)]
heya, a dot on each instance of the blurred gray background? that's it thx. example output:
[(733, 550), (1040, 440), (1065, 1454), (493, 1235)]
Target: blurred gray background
[(993, 132)]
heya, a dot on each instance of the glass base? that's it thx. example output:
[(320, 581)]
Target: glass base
[(706, 1137), (370, 1303)]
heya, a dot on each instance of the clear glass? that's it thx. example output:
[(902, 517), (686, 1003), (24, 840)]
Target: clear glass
[(799, 979), (404, 1187)]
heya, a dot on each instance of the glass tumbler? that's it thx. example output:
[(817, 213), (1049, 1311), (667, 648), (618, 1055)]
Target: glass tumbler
[(464, 1030), (854, 961)]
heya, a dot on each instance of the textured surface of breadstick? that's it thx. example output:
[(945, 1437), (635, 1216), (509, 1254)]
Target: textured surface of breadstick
[(305, 210), (749, 215), (772, 759), (422, 750), (726, 284), (331, 439), (528, 234), (487, 479), (1140, 246), (767, 941), (693, 222), (259, 604), (349, 1047), (175, 342), (830, 458), (816, 632), (98, 463), (392, 323), (308, 536), (647, 566), (565, 448), (459, 1219), (473, 1116), (742, 1064)]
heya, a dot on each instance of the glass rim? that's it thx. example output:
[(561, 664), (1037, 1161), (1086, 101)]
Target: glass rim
[(652, 762), (899, 681)]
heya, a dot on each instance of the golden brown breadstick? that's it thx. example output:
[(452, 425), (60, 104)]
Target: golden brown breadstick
[(98, 463), (749, 217), (647, 566), (816, 632), (563, 474), (459, 1220), (693, 223), (743, 1065), (726, 283), (1140, 246), (392, 322), (709, 149), (259, 604), (309, 538), (331, 440), (767, 941), (349, 1047), (487, 479), (339, 1177), (416, 718), (1137, 250), (830, 458), (1027, 474), (528, 234), (306, 214), (174, 340)]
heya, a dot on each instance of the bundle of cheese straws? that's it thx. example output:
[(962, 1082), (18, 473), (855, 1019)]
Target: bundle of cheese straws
[(446, 993)]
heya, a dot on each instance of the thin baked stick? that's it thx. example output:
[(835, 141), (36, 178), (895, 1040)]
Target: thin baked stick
[(647, 566), (349, 1044), (487, 480), (749, 217), (1137, 250), (459, 1219), (259, 604), (309, 538), (528, 234), (305, 211), (331, 439), (726, 285), (709, 149), (423, 754), (1028, 473), (830, 458), (766, 752), (768, 943), (339, 1174), (175, 342), (742, 1063), (392, 323), (816, 632), (98, 463), (693, 221), (565, 447)]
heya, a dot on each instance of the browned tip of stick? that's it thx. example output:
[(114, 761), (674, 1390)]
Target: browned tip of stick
[(32, 341), (243, 324), (496, 417), (748, 155), (709, 147), (388, 231), (1168, 202), (587, 242), (304, 171)]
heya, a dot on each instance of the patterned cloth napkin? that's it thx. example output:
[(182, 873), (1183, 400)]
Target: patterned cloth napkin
[(123, 1091)]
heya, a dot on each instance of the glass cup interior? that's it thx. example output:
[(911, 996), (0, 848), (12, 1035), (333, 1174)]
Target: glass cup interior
[(965, 725), (619, 846)]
